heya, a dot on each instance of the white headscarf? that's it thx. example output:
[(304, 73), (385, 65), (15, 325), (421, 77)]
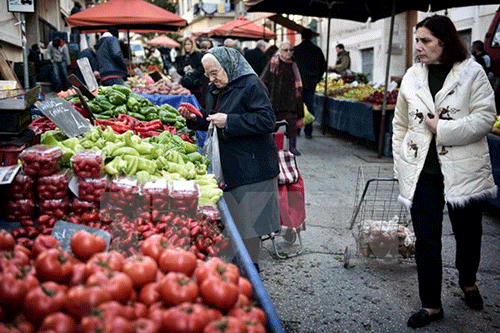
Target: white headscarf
[(232, 61)]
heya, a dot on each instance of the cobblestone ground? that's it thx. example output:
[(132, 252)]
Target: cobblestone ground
[(314, 292)]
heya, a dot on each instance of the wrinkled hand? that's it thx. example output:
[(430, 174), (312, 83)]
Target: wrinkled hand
[(186, 114), (431, 120), (300, 123), (219, 119)]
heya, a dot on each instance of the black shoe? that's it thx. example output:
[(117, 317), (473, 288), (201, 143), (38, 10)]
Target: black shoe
[(473, 299), (309, 136), (423, 318)]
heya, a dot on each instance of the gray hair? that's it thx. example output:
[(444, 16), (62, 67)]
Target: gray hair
[(261, 43)]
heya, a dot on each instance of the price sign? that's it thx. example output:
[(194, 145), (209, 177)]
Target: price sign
[(64, 115), (64, 230), (88, 73)]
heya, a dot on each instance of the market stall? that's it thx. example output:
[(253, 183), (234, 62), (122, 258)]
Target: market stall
[(128, 194)]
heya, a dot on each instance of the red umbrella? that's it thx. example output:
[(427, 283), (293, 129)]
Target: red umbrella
[(136, 15), (241, 28), (163, 41)]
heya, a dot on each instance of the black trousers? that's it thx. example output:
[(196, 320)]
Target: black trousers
[(427, 216)]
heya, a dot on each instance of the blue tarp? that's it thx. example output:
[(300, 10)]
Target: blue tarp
[(352, 117)]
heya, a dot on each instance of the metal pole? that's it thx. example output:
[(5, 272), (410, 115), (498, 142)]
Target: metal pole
[(384, 103), (25, 52), (325, 113)]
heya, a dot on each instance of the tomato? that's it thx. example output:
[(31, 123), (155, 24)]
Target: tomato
[(58, 323), (185, 317), (85, 244), (177, 260), (149, 294), (242, 301), (153, 246), (245, 287), (144, 325), (14, 257), (78, 275), (90, 324), (104, 262), (12, 292), (44, 300), (251, 312), (219, 293), (81, 299), (226, 324), (54, 265), (176, 288), (118, 324), (6, 240), (218, 268), (42, 243), (141, 269), (155, 313), (18, 325), (118, 284), (134, 311), (254, 327)]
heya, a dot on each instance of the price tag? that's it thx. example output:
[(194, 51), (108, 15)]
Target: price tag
[(88, 73), (64, 230), (64, 115)]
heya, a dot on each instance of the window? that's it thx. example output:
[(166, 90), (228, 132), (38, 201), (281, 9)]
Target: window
[(466, 37), (367, 62), (45, 31)]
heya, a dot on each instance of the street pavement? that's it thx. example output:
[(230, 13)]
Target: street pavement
[(314, 292)]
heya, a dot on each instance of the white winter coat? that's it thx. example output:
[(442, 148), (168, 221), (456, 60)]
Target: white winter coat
[(469, 100)]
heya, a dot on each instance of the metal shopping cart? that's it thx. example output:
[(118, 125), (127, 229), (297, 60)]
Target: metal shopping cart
[(380, 225), (291, 197)]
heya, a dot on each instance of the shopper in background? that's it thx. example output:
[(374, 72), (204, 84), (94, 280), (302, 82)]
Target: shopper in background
[(238, 105), (343, 62), (444, 111), (256, 57), (112, 66), (312, 66), (190, 68), (232, 43), (282, 78), (482, 57), (206, 45), (58, 54)]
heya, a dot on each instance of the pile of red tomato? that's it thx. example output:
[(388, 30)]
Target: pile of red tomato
[(159, 289)]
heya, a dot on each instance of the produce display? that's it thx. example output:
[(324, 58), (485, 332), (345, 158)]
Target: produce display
[(164, 86), (380, 238), (339, 89), (161, 288)]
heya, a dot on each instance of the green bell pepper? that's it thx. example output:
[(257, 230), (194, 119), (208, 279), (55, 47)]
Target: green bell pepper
[(136, 115), (117, 98), (133, 105), (124, 90)]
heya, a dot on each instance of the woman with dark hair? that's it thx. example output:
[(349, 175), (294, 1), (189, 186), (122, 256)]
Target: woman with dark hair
[(444, 111)]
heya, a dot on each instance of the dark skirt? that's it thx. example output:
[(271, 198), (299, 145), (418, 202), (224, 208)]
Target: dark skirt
[(255, 208)]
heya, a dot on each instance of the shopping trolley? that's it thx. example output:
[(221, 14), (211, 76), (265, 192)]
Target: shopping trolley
[(291, 196), (380, 225)]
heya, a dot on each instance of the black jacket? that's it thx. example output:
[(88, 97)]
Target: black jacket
[(247, 149), (311, 63), (257, 59)]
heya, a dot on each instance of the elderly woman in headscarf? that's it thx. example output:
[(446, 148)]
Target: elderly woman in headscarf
[(282, 77), (238, 104)]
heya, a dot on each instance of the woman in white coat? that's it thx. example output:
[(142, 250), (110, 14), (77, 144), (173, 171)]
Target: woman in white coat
[(444, 111)]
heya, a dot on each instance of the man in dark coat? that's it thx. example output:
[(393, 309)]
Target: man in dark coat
[(256, 57), (312, 66), (110, 61)]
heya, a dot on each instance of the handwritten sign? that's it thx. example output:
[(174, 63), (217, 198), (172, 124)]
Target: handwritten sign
[(79, 84), (88, 73), (64, 115), (64, 230)]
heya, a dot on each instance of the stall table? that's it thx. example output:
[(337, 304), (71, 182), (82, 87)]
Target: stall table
[(356, 118)]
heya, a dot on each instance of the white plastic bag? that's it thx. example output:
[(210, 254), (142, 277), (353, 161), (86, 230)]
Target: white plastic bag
[(211, 151)]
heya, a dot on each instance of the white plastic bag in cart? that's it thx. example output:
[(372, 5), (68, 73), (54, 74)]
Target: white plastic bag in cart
[(211, 151)]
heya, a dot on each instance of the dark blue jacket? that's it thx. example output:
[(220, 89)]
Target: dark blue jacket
[(110, 57), (247, 149)]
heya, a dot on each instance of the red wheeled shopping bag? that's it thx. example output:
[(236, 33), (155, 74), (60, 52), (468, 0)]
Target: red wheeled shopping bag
[(292, 204)]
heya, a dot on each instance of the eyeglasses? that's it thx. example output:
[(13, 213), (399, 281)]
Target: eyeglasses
[(213, 74), (287, 50)]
